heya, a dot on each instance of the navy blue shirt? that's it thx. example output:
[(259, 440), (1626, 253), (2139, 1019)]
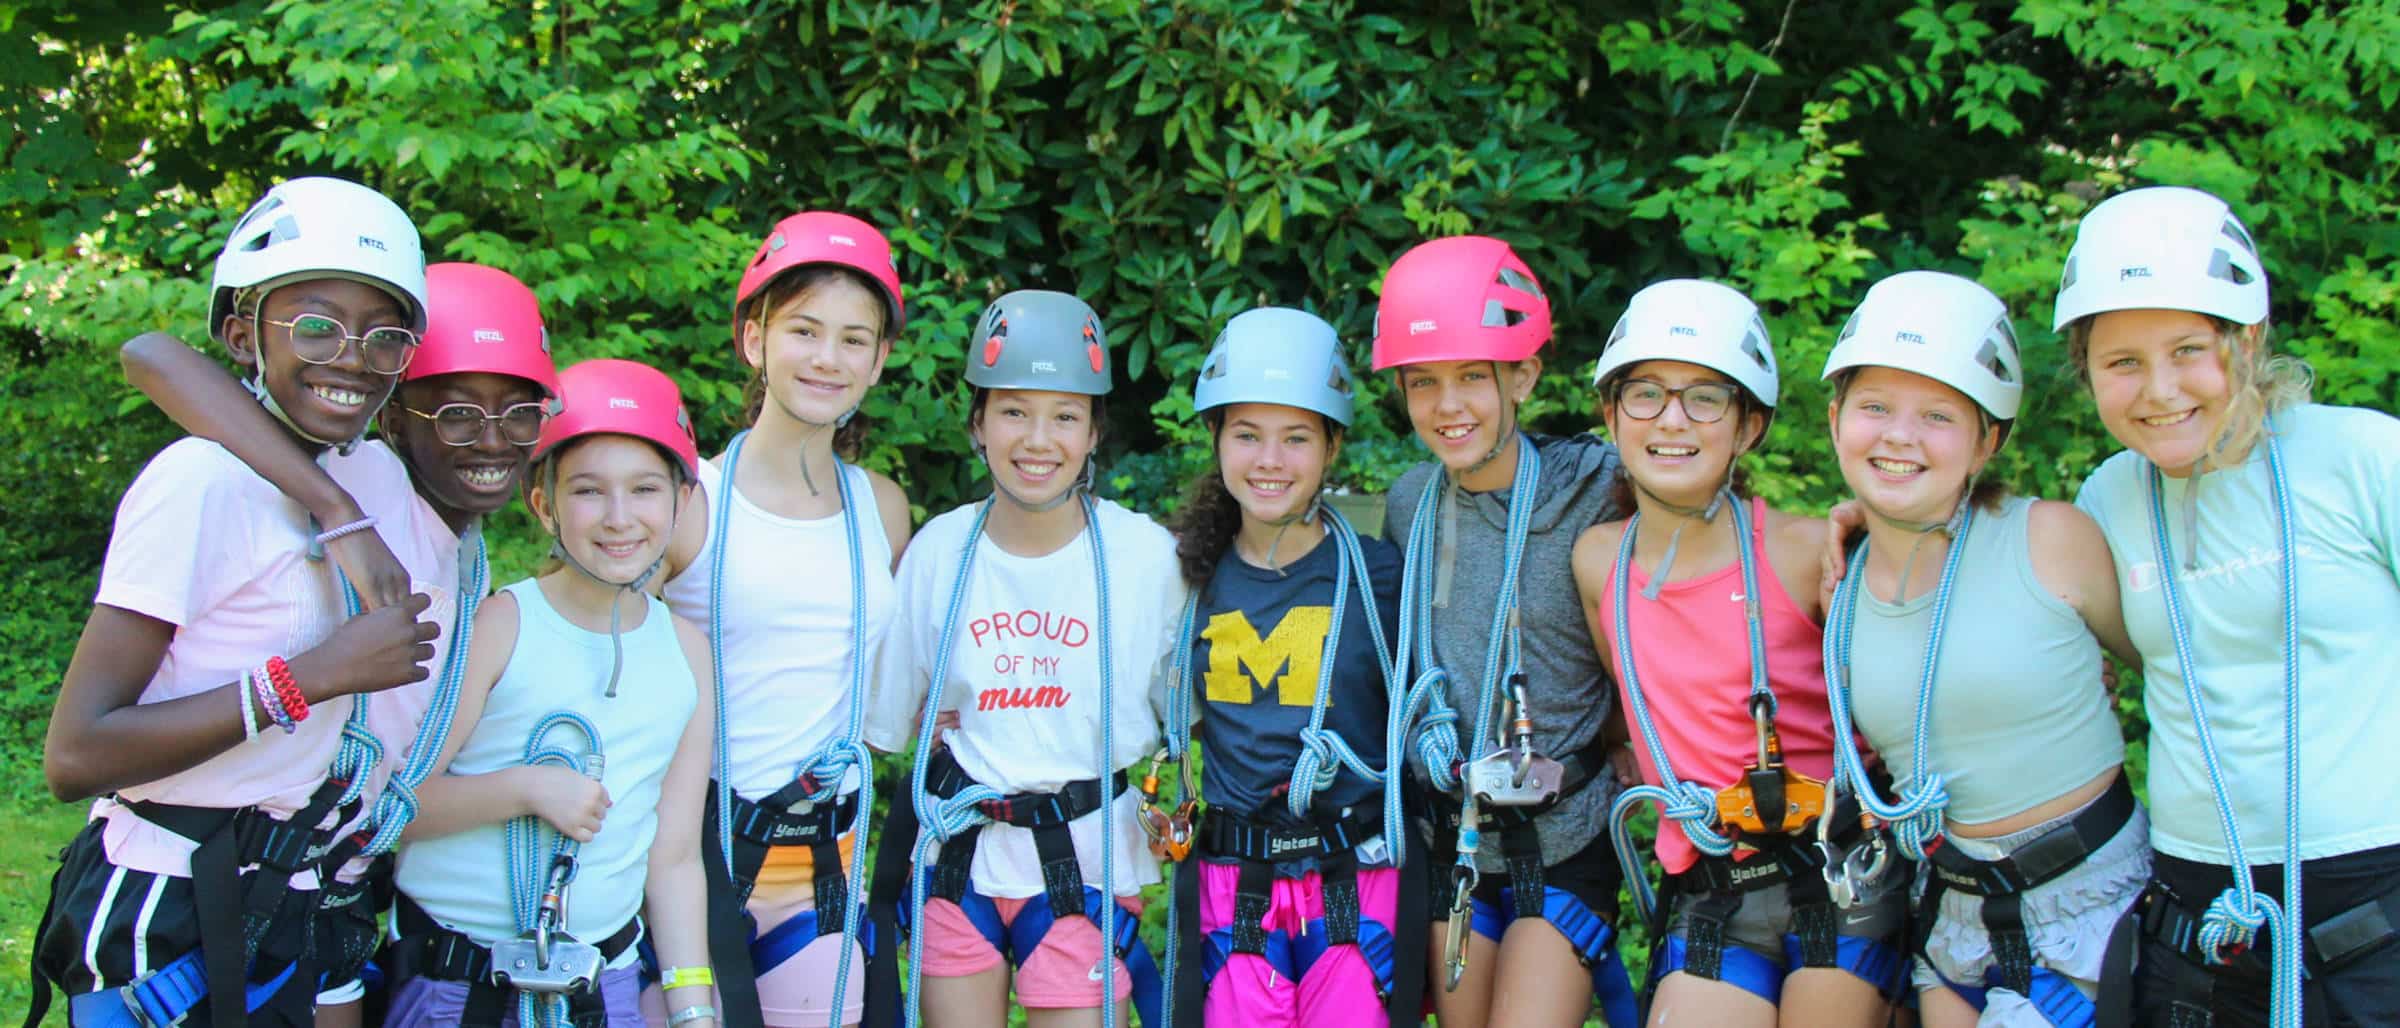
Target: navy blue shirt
[(1255, 668)]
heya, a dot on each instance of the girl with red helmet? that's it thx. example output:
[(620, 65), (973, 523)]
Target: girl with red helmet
[(579, 750), (218, 703), (786, 560), (1490, 621), (464, 418)]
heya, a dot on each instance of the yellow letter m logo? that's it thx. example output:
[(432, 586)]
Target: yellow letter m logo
[(1241, 665)]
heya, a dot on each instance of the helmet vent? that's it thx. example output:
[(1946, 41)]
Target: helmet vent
[(1499, 315), (1618, 334), (2234, 228), (1337, 381), (1520, 282), (2221, 266), (2003, 335), (1755, 344), (2066, 278), (1849, 328), (1214, 369)]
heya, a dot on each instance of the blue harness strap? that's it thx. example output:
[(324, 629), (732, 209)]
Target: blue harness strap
[(1293, 957), (2055, 997), (1872, 961), (1279, 954), (1033, 921), (164, 996), (786, 940), (1594, 940), (1739, 966)]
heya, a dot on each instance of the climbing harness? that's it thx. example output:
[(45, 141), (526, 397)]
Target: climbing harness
[(2233, 919), (973, 804), (1258, 846), (808, 811)]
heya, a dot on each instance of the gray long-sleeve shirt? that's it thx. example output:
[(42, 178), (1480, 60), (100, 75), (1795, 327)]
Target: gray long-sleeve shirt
[(1567, 686)]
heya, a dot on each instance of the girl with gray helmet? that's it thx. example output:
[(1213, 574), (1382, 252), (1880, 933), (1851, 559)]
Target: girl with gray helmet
[(2255, 536), (2027, 863), (1033, 631), (1291, 911), (1704, 602), (217, 704)]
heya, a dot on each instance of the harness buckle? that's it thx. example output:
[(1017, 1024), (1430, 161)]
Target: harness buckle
[(543, 962)]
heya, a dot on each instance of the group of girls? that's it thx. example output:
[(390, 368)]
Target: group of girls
[(1422, 755)]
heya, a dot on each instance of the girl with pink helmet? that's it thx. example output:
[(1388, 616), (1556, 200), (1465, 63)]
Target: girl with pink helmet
[(1512, 695)]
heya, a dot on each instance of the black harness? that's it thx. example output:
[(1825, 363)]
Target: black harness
[(1520, 844), (782, 819), (1046, 814)]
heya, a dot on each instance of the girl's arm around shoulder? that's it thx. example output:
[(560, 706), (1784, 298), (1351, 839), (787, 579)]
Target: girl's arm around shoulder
[(892, 503), (448, 804), (1795, 549), (1595, 562), (675, 892), (2071, 559)]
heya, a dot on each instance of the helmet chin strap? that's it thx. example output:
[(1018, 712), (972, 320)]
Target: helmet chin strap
[(1311, 514), (1686, 514), (1923, 530), (256, 383), (835, 425), (616, 637), (1500, 390)]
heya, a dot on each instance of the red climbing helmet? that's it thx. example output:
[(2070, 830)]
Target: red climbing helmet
[(1464, 298), (620, 397), (823, 237), (481, 318)]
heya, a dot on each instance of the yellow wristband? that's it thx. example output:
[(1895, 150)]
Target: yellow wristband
[(680, 977)]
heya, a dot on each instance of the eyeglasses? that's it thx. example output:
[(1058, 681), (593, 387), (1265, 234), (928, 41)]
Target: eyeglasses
[(1703, 402), (318, 339), (462, 424)]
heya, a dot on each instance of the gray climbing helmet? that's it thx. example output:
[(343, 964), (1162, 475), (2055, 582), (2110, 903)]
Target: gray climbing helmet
[(1039, 339), (1276, 355)]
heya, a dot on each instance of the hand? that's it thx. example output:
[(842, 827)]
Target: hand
[(1846, 519), (372, 652), (371, 568), (1628, 769), (570, 801), (946, 721)]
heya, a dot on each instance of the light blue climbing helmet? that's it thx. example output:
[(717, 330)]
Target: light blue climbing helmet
[(1277, 355)]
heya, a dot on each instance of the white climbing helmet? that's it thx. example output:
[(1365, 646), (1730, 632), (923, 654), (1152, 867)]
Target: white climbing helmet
[(321, 228), (1703, 323), (2166, 248), (1941, 326)]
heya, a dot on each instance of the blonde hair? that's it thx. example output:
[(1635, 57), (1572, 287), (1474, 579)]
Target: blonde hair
[(2259, 382)]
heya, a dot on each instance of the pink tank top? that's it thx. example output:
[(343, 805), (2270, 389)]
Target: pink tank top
[(1692, 648)]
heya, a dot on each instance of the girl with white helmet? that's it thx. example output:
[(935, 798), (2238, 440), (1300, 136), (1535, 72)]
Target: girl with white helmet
[(577, 757), (1291, 905), (1967, 635), (1524, 890), (218, 702), (2255, 536), (1035, 627), (787, 561), (473, 401), (1705, 604)]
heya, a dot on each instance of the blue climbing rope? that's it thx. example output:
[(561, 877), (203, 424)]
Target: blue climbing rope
[(398, 804), (526, 864), (1916, 819), (355, 758), (832, 763), (942, 820), (2233, 919), (1690, 805)]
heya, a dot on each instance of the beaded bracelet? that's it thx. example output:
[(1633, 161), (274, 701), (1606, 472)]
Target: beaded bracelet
[(287, 691), (679, 977), (258, 681), (352, 528)]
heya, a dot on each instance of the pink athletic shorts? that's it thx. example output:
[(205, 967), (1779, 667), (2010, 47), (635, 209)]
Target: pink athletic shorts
[(1337, 991), (1058, 974)]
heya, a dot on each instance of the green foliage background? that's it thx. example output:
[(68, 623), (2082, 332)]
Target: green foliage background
[(1173, 162)]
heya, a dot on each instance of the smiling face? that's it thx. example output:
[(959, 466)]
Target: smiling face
[(327, 401), (617, 497), (1907, 443), (1036, 441), (1464, 410), (461, 482), (2160, 382), (819, 350), (1674, 456), (1273, 459)]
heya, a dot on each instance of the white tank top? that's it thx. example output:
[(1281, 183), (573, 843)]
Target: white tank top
[(786, 630), (461, 880)]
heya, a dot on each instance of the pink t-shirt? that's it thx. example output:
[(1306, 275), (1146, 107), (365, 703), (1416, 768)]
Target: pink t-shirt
[(1692, 649), (202, 543)]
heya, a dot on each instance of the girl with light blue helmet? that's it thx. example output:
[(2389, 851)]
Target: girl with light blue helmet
[(1292, 911)]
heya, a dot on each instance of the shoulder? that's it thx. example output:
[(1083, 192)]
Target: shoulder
[(497, 613), (1383, 555), (1596, 546), (2064, 537), (689, 633), (1128, 527), (1795, 545), (2345, 440), (194, 477), (888, 494)]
